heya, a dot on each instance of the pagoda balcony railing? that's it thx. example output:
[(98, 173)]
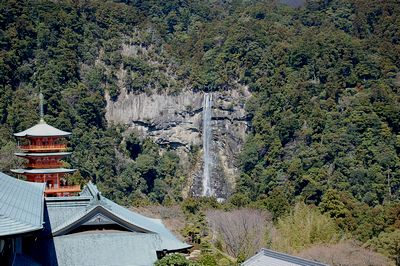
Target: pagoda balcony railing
[(51, 147), (44, 165), (62, 189)]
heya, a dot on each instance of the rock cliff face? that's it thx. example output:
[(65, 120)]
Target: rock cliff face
[(175, 122)]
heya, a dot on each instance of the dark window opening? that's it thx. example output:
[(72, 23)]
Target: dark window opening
[(101, 227)]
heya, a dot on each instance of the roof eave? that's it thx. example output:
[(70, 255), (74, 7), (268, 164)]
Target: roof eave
[(38, 136), (29, 171), (27, 154), (23, 232), (42, 209)]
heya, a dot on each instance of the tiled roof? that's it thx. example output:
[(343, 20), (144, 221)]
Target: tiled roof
[(68, 212), (42, 129), (150, 224), (274, 258), (21, 206), (153, 225), (102, 248)]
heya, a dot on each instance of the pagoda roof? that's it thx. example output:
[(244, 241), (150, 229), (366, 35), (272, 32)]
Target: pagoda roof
[(43, 171), (40, 154), (21, 206), (42, 129)]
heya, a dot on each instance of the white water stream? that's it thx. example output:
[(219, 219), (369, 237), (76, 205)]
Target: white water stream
[(207, 140)]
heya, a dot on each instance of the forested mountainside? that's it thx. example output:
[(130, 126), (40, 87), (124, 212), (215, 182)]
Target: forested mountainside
[(323, 116)]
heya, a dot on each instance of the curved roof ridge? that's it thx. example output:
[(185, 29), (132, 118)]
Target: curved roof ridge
[(73, 219), (90, 189), (81, 215), (153, 225)]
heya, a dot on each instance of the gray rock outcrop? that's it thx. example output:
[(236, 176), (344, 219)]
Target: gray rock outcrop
[(175, 122)]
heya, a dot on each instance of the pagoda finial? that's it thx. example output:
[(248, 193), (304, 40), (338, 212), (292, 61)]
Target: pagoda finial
[(41, 108)]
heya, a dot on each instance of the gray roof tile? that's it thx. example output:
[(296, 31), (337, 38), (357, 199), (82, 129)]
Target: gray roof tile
[(21, 205), (274, 258), (103, 249)]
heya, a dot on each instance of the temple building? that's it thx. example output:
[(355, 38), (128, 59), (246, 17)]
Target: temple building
[(43, 146), (86, 229)]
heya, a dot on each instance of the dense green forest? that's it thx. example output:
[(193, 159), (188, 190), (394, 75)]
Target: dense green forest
[(324, 115)]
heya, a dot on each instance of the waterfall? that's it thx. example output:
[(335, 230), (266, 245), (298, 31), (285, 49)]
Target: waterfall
[(207, 139)]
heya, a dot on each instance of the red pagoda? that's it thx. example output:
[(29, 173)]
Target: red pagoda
[(44, 146)]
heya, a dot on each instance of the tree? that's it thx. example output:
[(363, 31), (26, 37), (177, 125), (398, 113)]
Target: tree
[(303, 227), (387, 243), (243, 232)]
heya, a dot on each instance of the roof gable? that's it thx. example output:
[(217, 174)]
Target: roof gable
[(149, 224), (99, 219), (96, 215)]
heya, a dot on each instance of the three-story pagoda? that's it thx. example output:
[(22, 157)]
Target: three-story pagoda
[(44, 146)]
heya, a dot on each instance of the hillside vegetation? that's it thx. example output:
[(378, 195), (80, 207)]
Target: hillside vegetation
[(324, 115)]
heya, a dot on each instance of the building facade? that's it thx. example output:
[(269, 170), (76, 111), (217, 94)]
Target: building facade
[(44, 146)]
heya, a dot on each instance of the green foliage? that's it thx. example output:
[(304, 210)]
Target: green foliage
[(191, 206), (7, 158), (317, 114), (324, 115), (147, 173), (239, 200), (48, 46), (207, 260), (388, 243), (332, 204), (224, 262), (303, 227), (174, 260), (277, 203)]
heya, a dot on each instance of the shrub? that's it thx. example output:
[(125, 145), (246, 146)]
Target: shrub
[(387, 243), (303, 227), (174, 260), (346, 253)]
